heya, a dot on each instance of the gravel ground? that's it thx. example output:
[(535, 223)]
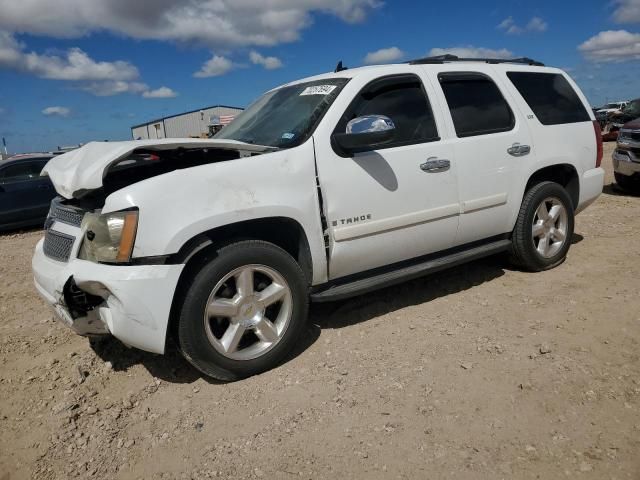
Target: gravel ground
[(479, 372)]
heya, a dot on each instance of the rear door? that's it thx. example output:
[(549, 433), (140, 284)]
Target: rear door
[(492, 144), (24, 195)]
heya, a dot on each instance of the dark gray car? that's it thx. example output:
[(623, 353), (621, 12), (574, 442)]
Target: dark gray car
[(24, 195)]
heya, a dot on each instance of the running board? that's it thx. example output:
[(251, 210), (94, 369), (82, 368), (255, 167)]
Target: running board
[(386, 279)]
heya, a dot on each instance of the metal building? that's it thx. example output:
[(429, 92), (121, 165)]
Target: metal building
[(197, 123)]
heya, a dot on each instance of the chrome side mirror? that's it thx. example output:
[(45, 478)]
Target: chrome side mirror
[(364, 134), (369, 124)]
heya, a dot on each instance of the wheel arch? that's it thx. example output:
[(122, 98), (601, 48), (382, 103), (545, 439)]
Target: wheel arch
[(564, 174), (284, 232)]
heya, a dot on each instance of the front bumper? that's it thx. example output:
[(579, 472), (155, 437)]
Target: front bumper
[(625, 162), (137, 299)]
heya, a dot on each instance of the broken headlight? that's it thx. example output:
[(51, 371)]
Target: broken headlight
[(109, 237)]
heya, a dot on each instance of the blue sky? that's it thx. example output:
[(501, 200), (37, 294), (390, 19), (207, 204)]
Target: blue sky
[(89, 69)]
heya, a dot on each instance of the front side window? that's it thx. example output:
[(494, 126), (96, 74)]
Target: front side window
[(550, 97), (22, 171), (285, 117), (401, 98), (476, 104)]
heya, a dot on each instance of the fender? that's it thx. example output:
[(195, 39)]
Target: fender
[(202, 198)]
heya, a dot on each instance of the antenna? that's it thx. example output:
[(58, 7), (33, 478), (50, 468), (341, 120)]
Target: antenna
[(340, 67)]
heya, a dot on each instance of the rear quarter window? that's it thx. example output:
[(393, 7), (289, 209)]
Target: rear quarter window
[(550, 96)]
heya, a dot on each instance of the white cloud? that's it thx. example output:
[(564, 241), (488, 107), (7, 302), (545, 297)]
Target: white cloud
[(627, 11), (506, 23), (214, 23), (612, 46), (108, 88), (270, 63), (536, 24), (74, 65), (472, 52), (10, 49), (384, 55), (56, 111), (510, 27), (162, 92), (214, 67)]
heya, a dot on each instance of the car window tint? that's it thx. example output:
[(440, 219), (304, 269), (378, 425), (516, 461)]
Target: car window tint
[(22, 171), (476, 104), (550, 96), (401, 98)]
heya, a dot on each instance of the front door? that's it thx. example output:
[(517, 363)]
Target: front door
[(395, 203)]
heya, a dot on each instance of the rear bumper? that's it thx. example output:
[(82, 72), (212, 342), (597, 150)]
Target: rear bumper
[(137, 299), (591, 185)]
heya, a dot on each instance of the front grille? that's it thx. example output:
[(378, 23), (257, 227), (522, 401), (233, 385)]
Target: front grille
[(66, 214), (58, 245)]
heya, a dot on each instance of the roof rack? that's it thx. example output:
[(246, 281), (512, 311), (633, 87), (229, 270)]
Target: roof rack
[(455, 58)]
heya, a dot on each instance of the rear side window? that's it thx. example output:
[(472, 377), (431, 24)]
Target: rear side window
[(550, 97), (476, 104), (401, 98)]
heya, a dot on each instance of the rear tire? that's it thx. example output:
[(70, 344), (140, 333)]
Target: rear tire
[(543, 230), (243, 311)]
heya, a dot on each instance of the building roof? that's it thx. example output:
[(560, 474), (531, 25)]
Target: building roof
[(184, 113)]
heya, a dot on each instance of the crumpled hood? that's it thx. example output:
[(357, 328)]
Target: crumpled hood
[(84, 169)]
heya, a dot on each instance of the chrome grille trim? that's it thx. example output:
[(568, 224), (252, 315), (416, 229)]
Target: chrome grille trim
[(66, 214), (58, 245)]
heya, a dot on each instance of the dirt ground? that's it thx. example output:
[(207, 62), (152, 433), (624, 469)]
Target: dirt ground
[(479, 372)]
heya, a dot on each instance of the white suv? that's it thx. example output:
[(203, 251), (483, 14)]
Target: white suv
[(324, 188)]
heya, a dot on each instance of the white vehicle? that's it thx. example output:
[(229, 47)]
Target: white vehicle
[(614, 107), (324, 188)]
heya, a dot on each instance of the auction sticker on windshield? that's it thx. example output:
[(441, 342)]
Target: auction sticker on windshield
[(318, 90)]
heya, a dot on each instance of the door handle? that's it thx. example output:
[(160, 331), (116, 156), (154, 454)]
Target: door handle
[(435, 165), (518, 150)]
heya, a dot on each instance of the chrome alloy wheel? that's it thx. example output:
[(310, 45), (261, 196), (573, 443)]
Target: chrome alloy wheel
[(248, 312), (550, 223)]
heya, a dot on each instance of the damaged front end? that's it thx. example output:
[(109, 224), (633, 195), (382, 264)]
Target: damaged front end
[(97, 169), (85, 267), (82, 308), (130, 302)]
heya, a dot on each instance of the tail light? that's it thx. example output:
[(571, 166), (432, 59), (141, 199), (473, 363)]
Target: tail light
[(596, 128)]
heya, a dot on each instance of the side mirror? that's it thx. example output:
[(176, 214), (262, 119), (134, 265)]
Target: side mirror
[(364, 134)]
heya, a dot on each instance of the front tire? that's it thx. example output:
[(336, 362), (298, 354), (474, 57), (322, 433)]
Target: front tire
[(629, 184), (543, 230), (244, 311)]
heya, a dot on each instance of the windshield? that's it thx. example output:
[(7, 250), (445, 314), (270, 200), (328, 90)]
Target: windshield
[(613, 105), (285, 117)]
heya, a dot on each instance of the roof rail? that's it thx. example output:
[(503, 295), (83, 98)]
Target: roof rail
[(455, 58)]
